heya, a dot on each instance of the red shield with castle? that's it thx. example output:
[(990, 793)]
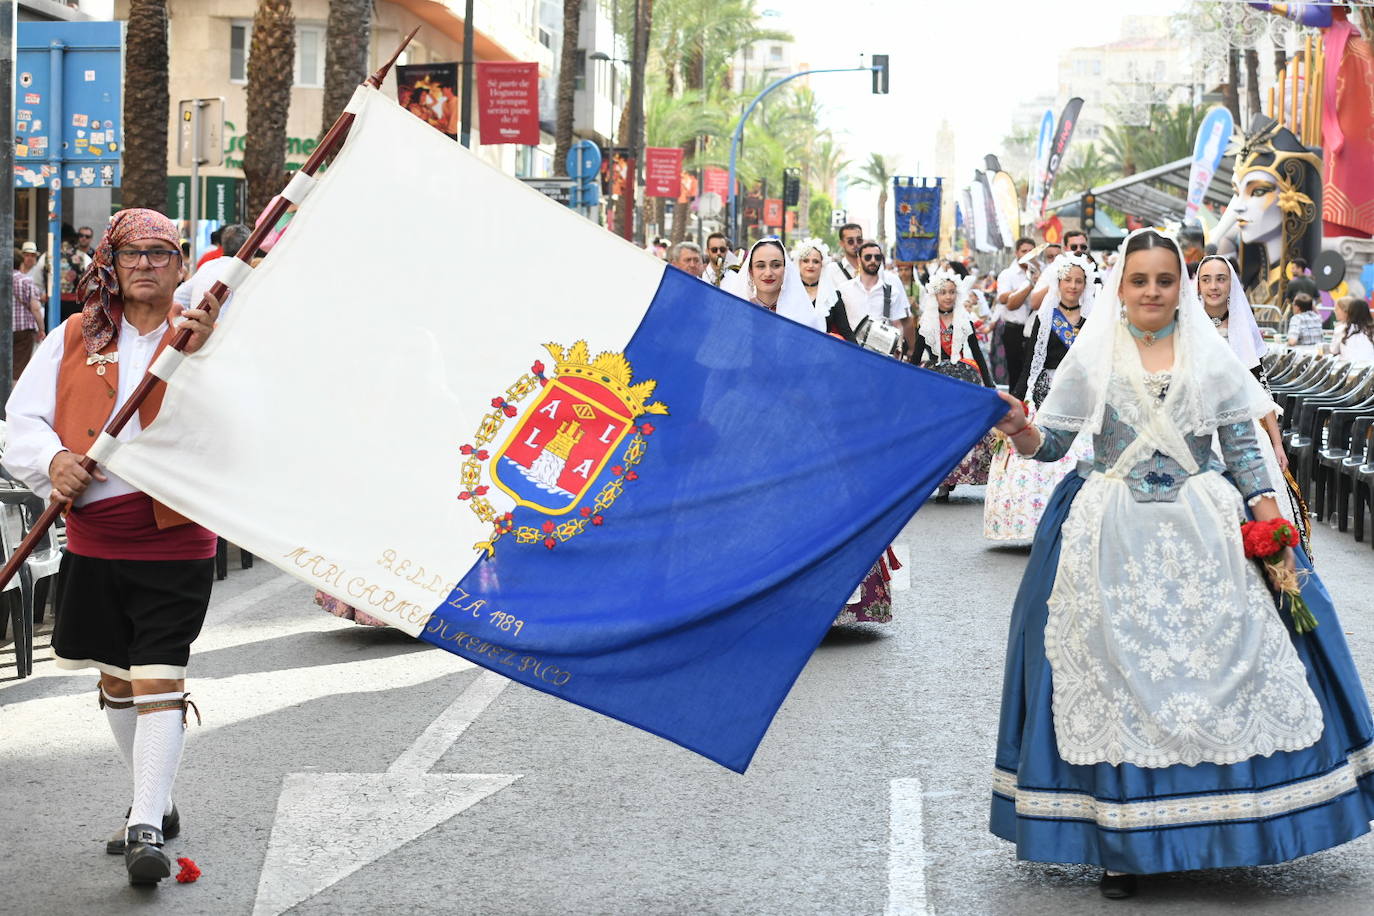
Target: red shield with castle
[(565, 439)]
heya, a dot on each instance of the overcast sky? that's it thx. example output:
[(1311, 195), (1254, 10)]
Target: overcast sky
[(970, 62)]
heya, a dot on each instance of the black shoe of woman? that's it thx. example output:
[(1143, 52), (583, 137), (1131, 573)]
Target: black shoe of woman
[(1118, 887)]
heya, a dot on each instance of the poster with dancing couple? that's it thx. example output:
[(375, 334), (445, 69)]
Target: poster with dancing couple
[(430, 92)]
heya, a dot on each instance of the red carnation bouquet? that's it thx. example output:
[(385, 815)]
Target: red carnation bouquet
[(1265, 541)]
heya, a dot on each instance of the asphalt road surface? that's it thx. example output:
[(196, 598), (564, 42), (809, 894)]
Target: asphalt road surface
[(344, 770)]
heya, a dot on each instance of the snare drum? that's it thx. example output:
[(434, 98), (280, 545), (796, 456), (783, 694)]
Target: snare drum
[(877, 335)]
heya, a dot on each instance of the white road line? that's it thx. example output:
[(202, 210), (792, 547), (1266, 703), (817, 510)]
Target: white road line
[(906, 851), (330, 825), (450, 725)]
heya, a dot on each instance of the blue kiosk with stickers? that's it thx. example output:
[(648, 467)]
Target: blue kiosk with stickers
[(68, 107)]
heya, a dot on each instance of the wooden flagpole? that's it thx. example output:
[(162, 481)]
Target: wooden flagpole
[(331, 143)]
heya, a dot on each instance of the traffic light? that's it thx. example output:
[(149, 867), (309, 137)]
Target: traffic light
[(879, 74), (1087, 212), (791, 187)]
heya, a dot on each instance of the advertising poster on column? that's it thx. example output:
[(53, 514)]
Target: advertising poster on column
[(430, 92), (508, 96), (663, 171)]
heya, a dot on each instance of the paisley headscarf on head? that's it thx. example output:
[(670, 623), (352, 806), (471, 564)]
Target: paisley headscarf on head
[(98, 289)]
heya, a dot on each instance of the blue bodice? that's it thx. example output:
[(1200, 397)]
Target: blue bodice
[(1158, 478)]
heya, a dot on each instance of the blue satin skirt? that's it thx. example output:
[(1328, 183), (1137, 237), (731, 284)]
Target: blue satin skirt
[(1262, 811)]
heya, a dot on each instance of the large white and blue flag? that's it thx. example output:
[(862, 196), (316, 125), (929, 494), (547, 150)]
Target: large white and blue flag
[(483, 419)]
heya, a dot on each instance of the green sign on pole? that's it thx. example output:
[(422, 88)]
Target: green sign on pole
[(218, 198), (178, 197)]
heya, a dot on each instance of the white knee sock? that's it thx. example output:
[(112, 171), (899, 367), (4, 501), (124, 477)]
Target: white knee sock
[(122, 723), (157, 754)]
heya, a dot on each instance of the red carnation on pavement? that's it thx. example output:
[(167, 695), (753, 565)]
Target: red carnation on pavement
[(482, 490), (538, 367), (548, 527), (598, 520), (549, 542), (647, 429), (617, 470), (586, 511), (189, 871), (631, 475)]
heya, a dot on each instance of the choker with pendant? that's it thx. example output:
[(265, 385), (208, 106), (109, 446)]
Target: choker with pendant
[(1149, 337), (1218, 322)]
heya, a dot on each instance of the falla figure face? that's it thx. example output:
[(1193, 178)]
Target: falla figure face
[(1256, 206)]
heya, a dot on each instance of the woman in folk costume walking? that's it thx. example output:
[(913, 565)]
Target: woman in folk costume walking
[(772, 280), (946, 342), (1018, 488), (1164, 708), (1223, 299)]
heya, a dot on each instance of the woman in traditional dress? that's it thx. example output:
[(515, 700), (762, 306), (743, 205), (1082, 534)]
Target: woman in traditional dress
[(1019, 489), (946, 343), (811, 256), (1159, 713), (772, 280), (1223, 299)]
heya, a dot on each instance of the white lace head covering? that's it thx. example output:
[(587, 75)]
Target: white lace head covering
[(826, 291), (1058, 270), (793, 302), (1208, 386), (962, 322), (1242, 331)]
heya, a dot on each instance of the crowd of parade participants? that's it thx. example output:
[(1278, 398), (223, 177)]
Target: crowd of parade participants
[(1178, 692), (1171, 701)]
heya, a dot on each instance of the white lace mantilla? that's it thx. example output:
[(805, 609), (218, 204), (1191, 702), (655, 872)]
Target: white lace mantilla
[(1164, 644)]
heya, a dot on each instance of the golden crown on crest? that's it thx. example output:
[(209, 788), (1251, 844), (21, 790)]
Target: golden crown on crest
[(611, 370)]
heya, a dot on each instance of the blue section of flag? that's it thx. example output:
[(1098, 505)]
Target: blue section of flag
[(788, 462)]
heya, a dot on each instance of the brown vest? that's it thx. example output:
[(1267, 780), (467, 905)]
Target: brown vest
[(86, 400)]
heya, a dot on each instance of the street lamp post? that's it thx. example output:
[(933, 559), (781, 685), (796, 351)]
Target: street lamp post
[(628, 195), (732, 214), (638, 55)]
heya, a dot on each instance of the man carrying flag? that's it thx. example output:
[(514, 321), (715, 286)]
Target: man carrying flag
[(135, 578)]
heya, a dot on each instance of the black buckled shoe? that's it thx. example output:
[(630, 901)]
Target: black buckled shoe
[(1118, 887), (171, 827), (143, 855)]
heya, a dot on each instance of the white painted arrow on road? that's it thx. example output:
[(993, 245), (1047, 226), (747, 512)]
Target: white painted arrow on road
[(329, 825)]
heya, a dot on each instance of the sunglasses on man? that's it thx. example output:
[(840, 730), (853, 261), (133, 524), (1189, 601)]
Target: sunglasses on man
[(873, 257), (1078, 249), (721, 250)]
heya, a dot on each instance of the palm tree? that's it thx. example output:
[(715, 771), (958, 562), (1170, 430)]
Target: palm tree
[(271, 57), (567, 86), (348, 35), (1252, 83), (877, 173), (1086, 168), (146, 105), (827, 163)]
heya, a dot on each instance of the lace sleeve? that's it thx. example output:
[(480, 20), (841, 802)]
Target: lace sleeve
[(1240, 450)]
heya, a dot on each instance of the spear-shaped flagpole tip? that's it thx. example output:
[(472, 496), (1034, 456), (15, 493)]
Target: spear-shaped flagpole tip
[(375, 80)]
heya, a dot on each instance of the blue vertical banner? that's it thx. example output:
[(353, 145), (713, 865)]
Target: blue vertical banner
[(1212, 136), (1036, 190), (917, 206)]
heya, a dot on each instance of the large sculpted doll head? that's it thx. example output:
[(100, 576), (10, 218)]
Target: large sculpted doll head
[(1277, 206)]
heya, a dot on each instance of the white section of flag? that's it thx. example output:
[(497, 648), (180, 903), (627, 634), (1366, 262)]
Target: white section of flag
[(320, 427)]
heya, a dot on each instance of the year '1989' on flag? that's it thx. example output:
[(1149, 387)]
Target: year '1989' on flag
[(481, 418)]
